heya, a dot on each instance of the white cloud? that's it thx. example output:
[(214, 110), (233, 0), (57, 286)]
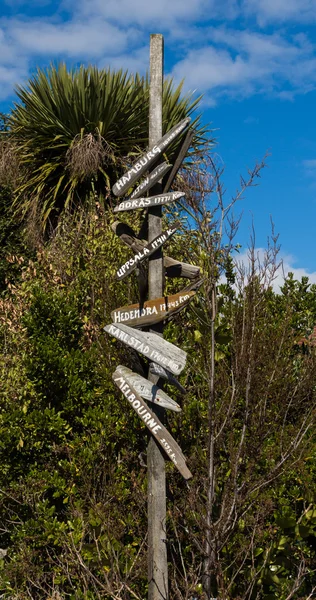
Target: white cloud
[(309, 170), (275, 277), (9, 76), (218, 60), (25, 42), (135, 61), (159, 12), (281, 10), (73, 39), (310, 163), (242, 63), (288, 266), (208, 68), (163, 13)]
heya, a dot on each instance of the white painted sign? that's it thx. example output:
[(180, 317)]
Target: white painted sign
[(159, 200), (151, 179), (152, 311), (143, 163), (152, 422), (152, 346), (146, 252), (148, 390)]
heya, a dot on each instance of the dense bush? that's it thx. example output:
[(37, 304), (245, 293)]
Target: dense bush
[(73, 481)]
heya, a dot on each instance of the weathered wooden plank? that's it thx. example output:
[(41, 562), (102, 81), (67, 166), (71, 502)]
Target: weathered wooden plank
[(152, 346), (151, 179), (146, 252), (180, 158), (148, 390), (159, 200), (142, 164), (173, 267), (160, 371), (152, 422), (152, 311), (156, 472)]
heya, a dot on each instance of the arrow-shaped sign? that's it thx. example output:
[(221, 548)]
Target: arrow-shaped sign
[(151, 345), (146, 252), (159, 200), (142, 164), (148, 390), (152, 311), (152, 422), (151, 179), (173, 268)]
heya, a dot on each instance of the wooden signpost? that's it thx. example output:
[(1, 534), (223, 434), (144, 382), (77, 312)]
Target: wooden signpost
[(159, 200), (152, 311), (154, 425), (165, 359), (142, 164), (152, 346), (151, 179), (146, 252), (147, 390)]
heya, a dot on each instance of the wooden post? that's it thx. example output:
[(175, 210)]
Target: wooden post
[(157, 536)]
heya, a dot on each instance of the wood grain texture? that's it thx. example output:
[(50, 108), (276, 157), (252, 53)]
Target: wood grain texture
[(151, 180), (172, 267), (164, 373), (152, 311), (157, 504), (156, 428), (147, 251), (150, 345), (159, 200), (148, 158), (179, 160), (148, 390)]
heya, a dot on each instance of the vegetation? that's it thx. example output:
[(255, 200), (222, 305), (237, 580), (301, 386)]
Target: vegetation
[(74, 131), (73, 478)]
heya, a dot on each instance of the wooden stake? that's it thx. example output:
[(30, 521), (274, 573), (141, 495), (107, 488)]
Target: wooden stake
[(157, 536)]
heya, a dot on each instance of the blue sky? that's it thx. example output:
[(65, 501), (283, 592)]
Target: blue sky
[(254, 61)]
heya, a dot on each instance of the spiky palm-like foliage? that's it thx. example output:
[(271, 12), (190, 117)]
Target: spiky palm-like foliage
[(76, 131)]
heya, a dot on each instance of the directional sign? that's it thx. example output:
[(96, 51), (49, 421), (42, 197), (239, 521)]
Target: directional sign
[(156, 369), (143, 163), (173, 268), (152, 311), (146, 252), (150, 345), (151, 179), (148, 390), (159, 200), (151, 421)]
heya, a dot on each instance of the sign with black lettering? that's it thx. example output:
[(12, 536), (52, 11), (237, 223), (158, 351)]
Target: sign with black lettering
[(151, 345), (159, 200), (152, 422), (148, 390), (143, 163), (151, 179), (146, 252), (152, 311)]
